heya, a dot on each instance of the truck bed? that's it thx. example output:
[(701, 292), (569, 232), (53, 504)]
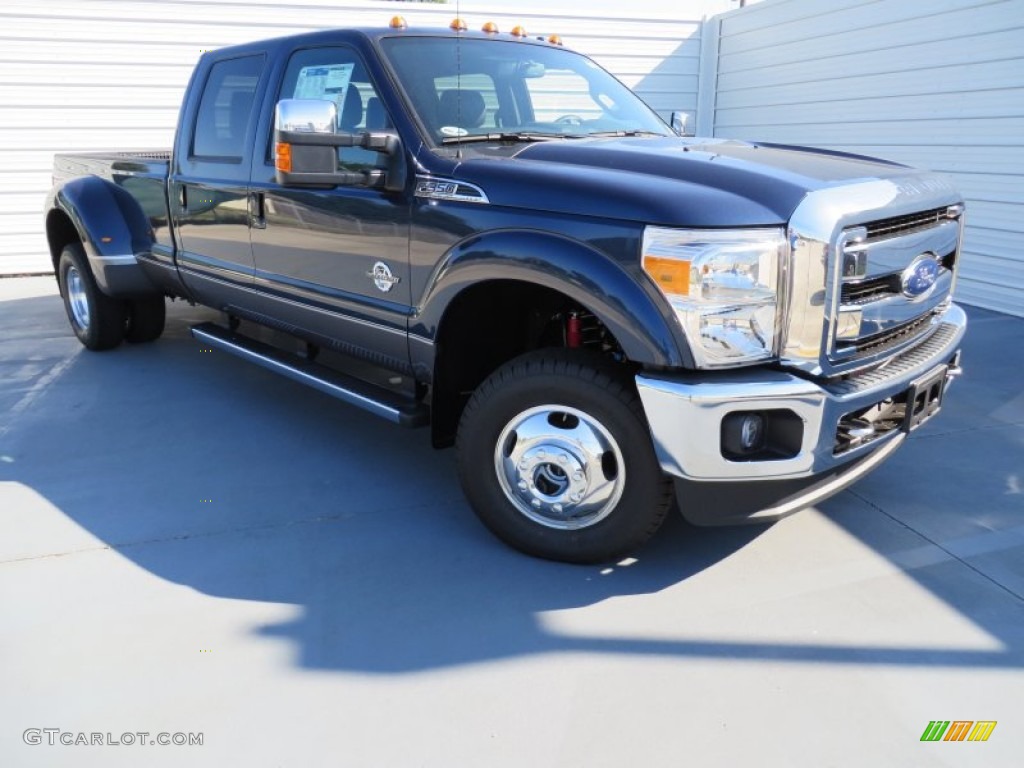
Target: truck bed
[(142, 175), (152, 164)]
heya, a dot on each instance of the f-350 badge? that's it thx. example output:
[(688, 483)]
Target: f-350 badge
[(382, 277)]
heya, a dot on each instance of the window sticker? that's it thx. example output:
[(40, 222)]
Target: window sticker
[(323, 81), (326, 82)]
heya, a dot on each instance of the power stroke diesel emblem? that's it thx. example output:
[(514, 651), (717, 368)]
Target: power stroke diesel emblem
[(382, 277), (921, 275)]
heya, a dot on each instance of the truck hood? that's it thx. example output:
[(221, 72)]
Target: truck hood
[(664, 180)]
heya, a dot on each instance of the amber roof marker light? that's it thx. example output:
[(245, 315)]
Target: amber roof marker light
[(518, 31), (490, 28), (458, 25), (397, 22)]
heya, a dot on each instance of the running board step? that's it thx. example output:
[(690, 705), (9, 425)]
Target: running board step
[(383, 402)]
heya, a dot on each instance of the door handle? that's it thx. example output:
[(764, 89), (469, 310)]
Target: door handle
[(257, 210), (183, 197)]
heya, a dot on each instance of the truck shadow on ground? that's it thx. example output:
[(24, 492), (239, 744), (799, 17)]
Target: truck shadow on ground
[(210, 473)]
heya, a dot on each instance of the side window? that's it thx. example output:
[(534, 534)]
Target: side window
[(226, 108), (339, 75)]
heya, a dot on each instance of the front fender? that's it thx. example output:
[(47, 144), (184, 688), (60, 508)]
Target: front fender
[(602, 286), (112, 227)]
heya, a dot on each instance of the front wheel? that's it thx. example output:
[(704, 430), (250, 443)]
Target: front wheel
[(555, 457)]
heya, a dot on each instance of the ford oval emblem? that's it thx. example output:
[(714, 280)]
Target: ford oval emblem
[(921, 275)]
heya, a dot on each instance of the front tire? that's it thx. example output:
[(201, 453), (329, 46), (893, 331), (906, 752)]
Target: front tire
[(97, 319), (555, 457)]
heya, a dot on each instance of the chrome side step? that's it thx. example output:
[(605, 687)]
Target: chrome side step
[(370, 397)]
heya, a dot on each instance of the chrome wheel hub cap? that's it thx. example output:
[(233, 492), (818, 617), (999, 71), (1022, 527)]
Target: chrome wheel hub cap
[(560, 467), (77, 298)]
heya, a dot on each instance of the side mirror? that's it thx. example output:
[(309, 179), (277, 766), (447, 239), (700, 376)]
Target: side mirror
[(530, 69), (679, 123), (306, 116), (306, 142)]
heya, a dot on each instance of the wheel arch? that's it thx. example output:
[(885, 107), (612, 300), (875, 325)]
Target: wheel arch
[(111, 227), (573, 268), (60, 232), (490, 296)]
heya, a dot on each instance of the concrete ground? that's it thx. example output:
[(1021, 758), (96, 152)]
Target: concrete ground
[(189, 544)]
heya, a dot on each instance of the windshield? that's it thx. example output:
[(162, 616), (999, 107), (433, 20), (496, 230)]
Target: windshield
[(480, 89)]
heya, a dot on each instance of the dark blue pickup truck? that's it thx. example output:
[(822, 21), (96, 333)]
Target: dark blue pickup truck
[(487, 233)]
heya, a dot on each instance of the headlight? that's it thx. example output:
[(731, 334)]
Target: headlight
[(723, 285)]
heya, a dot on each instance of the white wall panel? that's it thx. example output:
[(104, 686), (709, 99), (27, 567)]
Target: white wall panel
[(933, 83), (109, 74)]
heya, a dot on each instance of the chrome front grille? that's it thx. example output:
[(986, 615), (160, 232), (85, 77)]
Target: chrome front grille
[(896, 225), (865, 290), (873, 264), (872, 289), (893, 337), (942, 342), (874, 308)]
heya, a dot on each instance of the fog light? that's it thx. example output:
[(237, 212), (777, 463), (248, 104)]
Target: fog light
[(752, 431), (769, 435), (743, 434)]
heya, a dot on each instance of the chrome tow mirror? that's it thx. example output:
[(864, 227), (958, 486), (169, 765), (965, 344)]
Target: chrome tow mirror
[(306, 143), (306, 116)]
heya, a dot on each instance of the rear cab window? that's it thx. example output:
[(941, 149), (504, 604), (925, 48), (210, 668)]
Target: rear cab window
[(226, 110)]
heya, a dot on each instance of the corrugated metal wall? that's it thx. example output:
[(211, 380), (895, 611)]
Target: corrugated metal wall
[(109, 74), (932, 83)]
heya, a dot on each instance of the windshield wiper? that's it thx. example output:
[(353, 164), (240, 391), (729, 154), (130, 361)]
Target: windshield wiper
[(623, 133), (510, 137)]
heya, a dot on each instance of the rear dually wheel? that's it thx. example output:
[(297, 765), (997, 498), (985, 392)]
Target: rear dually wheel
[(97, 319)]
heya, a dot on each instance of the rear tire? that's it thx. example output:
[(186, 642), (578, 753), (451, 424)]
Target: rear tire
[(145, 319), (97, 319), (555, 457)]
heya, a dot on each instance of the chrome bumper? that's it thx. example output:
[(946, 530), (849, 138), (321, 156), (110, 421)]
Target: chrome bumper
[(685, 413)]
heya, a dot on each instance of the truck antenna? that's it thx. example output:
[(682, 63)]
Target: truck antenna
[(458, 80)]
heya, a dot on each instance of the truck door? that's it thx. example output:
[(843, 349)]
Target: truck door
[(335, 261), (209, 183)]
